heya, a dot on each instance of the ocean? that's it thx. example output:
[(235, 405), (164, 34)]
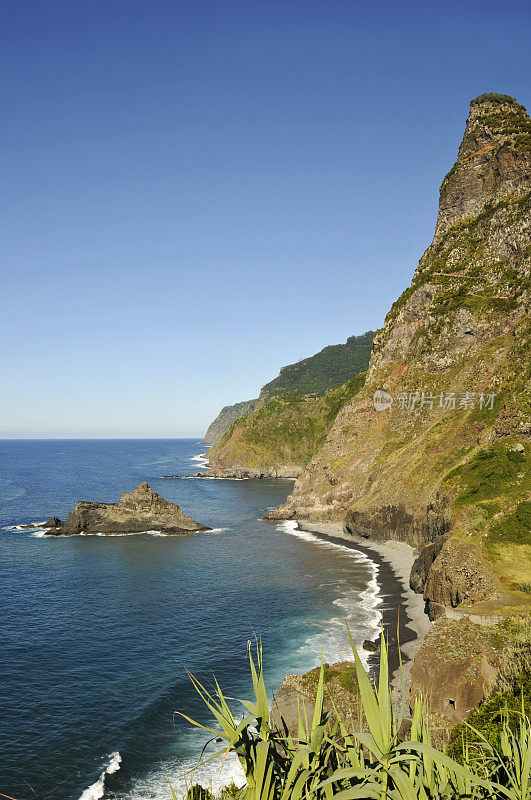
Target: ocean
[(96, 633)]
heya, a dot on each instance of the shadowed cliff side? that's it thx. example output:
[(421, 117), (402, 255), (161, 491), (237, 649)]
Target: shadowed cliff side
[(226, 417)]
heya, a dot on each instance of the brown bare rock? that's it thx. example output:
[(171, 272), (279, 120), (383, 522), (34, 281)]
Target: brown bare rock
[(492, 159), (53, 522), (138, 511), (459, 574), (422, 564), (455, 667)]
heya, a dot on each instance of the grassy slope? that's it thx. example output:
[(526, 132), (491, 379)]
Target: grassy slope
[(286, 430), (492, 505)]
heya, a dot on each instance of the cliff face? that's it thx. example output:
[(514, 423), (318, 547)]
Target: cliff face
[(225, 418), (315, 375), (452, 405), (279, 438)]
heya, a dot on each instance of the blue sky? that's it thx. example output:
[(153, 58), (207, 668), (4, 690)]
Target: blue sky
[(196, 193)]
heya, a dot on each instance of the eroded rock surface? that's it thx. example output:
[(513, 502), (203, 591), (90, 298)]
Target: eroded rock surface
[(459, 574), (456, 667), (449, 342), (298, 691), (138, 511)]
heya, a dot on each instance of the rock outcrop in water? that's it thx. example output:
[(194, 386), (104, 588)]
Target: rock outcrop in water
[(138, 511)]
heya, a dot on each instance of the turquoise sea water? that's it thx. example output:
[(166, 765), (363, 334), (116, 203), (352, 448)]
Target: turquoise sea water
[(96, 633)]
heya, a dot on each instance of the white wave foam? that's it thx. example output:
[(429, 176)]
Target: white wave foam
[(201, 459), (26, 527), (154, 785), (360, 608), (96, 790), (38, 534)]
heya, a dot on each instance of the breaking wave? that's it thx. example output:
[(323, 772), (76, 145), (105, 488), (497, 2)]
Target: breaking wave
[(201, 459), (154, 785), (359, 609), (97, 790)]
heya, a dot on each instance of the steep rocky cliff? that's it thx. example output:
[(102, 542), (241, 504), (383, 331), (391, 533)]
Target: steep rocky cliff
[(315, 375), (226, 417), (441, 452)]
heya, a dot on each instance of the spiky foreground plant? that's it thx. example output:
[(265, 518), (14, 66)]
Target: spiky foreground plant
[(329, 759)]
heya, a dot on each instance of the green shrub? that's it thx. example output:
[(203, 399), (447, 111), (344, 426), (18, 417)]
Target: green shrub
[(515, 527), (487, 718), (488, 474), (328, 760), (198, 792)]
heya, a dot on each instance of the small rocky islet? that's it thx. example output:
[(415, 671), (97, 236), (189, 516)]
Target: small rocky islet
[(138, 511)]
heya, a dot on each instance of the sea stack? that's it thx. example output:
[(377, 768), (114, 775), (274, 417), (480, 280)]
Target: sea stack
[(138, 511)]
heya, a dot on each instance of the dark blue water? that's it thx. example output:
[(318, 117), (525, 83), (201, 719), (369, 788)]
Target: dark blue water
[(96, 632)]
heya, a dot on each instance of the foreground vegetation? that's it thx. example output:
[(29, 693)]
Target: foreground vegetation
[(328, 758)]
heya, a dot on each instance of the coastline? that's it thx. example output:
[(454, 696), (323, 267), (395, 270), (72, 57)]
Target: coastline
[(402, 608)]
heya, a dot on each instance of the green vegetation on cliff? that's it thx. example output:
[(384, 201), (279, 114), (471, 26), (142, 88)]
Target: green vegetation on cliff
[(462, 271), (496, 470), (490, 492), (286, 430), (331, 367), (315, 375)]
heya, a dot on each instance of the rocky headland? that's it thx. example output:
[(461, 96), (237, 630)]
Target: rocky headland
[(138, 511), (330, 367), (433, 450), (225, 418), (280, 438), (239, 473)]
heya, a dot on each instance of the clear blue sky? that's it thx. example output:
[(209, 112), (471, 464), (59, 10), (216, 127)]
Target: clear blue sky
[(196, 193)]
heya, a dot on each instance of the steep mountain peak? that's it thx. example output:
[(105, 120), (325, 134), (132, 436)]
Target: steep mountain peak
[(493, 162), (420, 465)]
